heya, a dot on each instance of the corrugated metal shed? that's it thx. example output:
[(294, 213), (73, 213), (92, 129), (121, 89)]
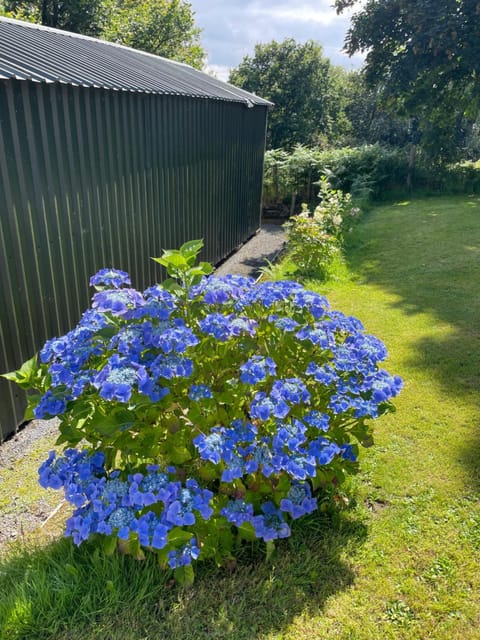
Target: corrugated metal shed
[(42, 54), (107, 157)]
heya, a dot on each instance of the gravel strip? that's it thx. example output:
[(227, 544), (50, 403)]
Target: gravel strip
[(265, 245), (18, 455), (21, 444), (24, 505)]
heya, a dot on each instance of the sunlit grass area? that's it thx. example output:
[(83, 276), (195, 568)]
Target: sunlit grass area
[(412, 274), (400, 560)]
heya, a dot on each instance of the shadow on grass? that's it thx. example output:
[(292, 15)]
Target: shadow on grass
[(428, 254), (60, 592)]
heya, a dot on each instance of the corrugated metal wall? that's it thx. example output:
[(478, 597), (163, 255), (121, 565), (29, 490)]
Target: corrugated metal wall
[(91, 178)]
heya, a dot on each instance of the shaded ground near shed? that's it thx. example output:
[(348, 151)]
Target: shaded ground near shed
[(254, 254)]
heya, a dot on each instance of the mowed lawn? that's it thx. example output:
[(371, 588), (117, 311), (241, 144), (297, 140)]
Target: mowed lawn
[(413, 277), (400, 561)]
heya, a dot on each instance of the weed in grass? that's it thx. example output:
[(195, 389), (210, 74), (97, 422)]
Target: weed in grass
[(471, 530), (441, 569), (399, 613), (411, 527)]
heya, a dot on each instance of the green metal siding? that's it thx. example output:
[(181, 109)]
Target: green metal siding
[(92, 178)]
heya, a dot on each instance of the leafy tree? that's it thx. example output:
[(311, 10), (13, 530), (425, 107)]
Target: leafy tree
[(303, 85), (370, 122), (78, 16), (162, 27), (423, 56)]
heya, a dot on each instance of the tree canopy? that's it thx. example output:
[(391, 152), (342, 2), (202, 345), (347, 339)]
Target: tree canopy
[(163, 27), (422, 55), (301, 82), (369, 120), (78, 16)]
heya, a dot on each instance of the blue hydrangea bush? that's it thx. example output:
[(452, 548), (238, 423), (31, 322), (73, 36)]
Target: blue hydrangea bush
[(203, 411)]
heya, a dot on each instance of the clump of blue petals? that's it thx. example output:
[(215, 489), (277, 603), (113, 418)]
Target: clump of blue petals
[(110, 278), (109, 505), (298, 501), (256, 369), (271, 524), (183, 556)]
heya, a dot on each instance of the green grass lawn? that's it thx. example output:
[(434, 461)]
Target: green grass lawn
[(402, 561)]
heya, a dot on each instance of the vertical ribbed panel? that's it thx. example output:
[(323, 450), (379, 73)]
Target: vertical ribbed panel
[(93, 178)]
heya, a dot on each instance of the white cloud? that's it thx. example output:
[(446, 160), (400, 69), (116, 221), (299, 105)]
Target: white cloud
[(218, 71), (232, 28), (302, 13)]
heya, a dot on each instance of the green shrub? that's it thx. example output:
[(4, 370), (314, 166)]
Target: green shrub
[(368, 173), (314, 239), (335, 212), (365, 172), (290, 177), (204, 411), (461, 177), (309, 246)]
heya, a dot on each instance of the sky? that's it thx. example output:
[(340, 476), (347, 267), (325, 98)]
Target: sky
[(231, 28)]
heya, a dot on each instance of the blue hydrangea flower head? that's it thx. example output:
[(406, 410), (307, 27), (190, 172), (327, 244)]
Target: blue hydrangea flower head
[(325, 374), (117, 301), (116, 380), (170, 337), (83, 523), (235, 468), (59, 472), (298, 500), (151, 531), (238, 512), (291, 390), (283, 323), (323, 450), (318, 420), (289, 437), (184, 556), (269, 293), (121, 520), (256, 369), (347, 451), (271, 525), (199, 392), (171, 366), (300, 465), (263, 407), (214, 446), (222, 290), (149, 386), (113, 278), (160, 304), (150, 488), (319, 335), (261, 457), (189, 499), (314, 302), (50, 405)]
